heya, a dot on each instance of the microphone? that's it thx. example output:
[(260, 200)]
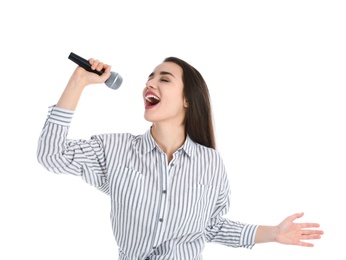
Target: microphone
[(114, 81)]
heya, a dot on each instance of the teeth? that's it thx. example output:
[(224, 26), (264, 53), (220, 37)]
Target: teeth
[(148, 97)]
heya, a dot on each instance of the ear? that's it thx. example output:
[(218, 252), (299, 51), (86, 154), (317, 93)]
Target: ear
[(186, 103)]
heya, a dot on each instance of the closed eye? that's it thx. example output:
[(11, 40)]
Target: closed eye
[(164, 80), (162, 73)]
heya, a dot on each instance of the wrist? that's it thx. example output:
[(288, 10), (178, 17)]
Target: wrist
[(266, 234)]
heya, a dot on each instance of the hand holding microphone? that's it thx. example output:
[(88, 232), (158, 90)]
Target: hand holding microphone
[(113, 82)]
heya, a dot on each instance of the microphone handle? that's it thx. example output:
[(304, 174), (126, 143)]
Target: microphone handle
[(83, 63)]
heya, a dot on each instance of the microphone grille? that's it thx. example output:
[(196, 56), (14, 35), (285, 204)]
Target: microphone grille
[(114, 81)]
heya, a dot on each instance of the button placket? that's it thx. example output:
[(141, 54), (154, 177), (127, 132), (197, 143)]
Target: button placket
[(162, 207)]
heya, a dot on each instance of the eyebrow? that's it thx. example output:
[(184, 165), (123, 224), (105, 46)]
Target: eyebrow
[(161, 73)]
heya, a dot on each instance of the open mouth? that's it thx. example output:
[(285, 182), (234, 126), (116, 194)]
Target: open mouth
[(151, 100)]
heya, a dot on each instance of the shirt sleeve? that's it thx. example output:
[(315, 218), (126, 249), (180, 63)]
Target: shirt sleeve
[(227, 232), (56, 153)]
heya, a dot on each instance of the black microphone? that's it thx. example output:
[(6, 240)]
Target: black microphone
[(114, 81)]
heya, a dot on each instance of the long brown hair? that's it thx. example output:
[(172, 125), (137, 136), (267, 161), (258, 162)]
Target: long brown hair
[(198, 118)]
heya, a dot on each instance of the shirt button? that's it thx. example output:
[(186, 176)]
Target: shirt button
[(164, 191), (161, 219)]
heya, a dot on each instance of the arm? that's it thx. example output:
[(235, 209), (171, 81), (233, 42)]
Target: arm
[(225, 231), (55, 152), (79, 80), (289, 233)]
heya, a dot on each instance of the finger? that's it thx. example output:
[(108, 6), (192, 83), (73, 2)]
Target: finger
[(91, 61), (312, 232), (100, 66), (295, 216), (108, 68), (302, 243), (311, 236), (107, 72), (309, 225), (94, 63)]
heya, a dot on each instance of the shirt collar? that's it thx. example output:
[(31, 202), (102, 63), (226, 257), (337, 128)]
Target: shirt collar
[(148, 144)]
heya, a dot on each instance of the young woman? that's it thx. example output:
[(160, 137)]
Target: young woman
[(168, 187)]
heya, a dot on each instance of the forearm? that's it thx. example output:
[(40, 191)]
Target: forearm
[(265, 234), (78, 81), (72, 93)]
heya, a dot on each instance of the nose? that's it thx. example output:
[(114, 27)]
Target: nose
[(151, 84)]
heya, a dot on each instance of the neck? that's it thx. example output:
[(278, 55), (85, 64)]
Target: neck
[(168, 138)]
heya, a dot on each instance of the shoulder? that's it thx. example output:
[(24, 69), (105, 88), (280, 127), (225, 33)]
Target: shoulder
[(209, 157), (211, 165), (119, 138), (207, 151)]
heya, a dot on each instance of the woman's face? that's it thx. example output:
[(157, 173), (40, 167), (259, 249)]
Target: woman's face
[(163, 95)]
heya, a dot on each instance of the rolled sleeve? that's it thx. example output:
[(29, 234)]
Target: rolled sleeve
[(227, 232), (60, 116), (58, 154)]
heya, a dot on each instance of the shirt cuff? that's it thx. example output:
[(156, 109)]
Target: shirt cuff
[(60, 116), (247, 236)]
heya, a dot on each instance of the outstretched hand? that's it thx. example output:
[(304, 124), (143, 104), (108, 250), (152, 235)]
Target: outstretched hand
[(293, 233)]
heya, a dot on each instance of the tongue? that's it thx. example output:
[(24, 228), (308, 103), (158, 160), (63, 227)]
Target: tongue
[(153, 101)]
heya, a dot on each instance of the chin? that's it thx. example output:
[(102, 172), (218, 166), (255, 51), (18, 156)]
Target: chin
[(148, 118)]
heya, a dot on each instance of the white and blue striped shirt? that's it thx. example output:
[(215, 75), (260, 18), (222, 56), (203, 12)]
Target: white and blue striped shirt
[(159, 210)]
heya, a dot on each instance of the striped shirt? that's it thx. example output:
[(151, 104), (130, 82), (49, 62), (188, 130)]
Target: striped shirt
[(159, 210)]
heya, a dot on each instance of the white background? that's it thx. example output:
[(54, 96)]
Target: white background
[(276, 73)]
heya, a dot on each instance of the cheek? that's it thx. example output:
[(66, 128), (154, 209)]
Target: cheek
[(176, 105), (173, 100)]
